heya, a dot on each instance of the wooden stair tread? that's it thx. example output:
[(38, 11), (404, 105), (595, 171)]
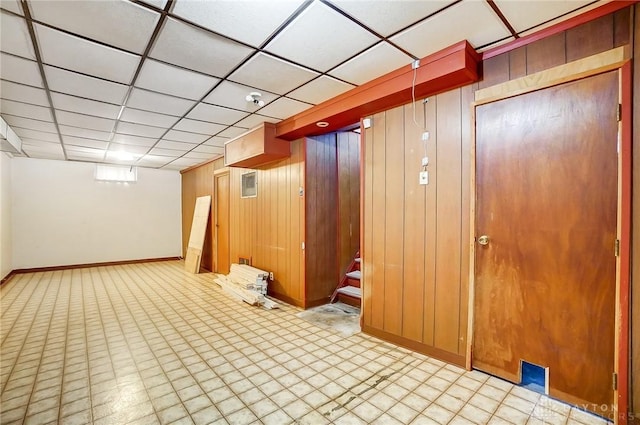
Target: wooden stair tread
[(356, 274), (351, 291)]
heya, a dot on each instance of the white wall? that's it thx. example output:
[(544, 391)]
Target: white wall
[(6, 264), (63, 216)]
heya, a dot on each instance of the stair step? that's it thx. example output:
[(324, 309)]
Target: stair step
[(356, 274), (357, 260), (351, 291)]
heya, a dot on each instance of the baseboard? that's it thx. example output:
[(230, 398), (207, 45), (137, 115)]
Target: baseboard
[(428, 350), (8, 277), (87, 265)]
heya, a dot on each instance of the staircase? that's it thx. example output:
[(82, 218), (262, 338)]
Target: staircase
[(348, 290)]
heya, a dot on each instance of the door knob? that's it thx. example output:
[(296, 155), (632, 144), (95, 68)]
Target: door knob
[(483, 240)]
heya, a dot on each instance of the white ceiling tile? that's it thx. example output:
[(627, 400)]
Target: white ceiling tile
[(25, 110), (64, 81), (217, 114), (216, 141), (209, 149), (284, 108), (20, 70), (387, 16), (127, 139), (88, 143), (85, 106), (255, 120), (84, 133), (232, 132), (84, 56), (197, 126), (92, 155), (321, 38), (170, 79), (153, 160), (140, 130), (148, 118), (178, 146), (83, 149), (523, 15), (14, 36), (251, 22), (22, 93), (198, 155), (37, 135), (194, 48), (160, 4), (133, 149), (156, 102), (15, 121), (186, 137), (12, 5), (167, 152), (181, 163), (233, 95), (117, 23), (379, 60), (269, 73), (474, 21), (320, 89), (43, 148), (85, 121)]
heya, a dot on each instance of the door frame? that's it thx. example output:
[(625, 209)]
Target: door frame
[(614, 59), (221, 172)]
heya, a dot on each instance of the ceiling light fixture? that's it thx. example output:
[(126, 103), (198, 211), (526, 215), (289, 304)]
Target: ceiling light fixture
[(322, 124), (254, 97)]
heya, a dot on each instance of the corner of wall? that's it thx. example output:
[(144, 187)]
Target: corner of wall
[(6, 236)]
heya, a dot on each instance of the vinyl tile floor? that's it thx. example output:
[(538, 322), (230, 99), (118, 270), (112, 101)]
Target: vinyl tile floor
[(151, 344)]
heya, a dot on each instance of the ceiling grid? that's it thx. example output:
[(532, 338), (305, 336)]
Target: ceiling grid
[(162, 83)]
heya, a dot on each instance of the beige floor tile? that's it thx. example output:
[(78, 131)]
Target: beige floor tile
[(150, 344)]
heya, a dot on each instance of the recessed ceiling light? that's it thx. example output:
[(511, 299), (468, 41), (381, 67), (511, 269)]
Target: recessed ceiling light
[(322, 124)]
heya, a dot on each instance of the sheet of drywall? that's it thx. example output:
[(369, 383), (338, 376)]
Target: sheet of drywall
[(62, 215), (198, 231)]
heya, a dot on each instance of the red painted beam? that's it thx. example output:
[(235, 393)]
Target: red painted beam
[(590, 15), (450, 68)]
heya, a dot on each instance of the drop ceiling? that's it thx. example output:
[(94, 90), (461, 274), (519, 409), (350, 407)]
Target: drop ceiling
[(162, 83)]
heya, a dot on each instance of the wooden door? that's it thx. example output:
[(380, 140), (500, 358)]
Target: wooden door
[(222, 223), (546, 187)]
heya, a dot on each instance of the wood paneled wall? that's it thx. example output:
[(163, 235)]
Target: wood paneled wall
[(415, 237), (198, 182), (269, 229), (321, 219), (635, 231), (348, 198), (584, 40)]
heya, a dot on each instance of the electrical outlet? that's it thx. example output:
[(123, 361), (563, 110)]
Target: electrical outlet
[(424, 177), (270, 275)]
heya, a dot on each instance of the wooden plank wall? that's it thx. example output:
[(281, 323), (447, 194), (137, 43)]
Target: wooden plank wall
[(321, 219), (269, 228), (635, 231), (415, 252), (198, 182), (415, 240), (584, 40), (348, 198)]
